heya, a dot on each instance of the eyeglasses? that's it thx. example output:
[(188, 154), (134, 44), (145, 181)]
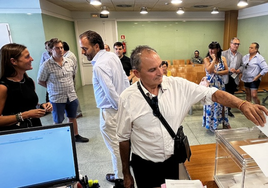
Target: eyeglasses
[(246, 66), (237, 44)]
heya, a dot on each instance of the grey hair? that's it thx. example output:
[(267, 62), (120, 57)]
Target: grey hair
[(135, 59), (234, 38)]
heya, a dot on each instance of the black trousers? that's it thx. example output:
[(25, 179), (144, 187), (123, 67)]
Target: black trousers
[(47, 98), (231, 87), (149, 174)]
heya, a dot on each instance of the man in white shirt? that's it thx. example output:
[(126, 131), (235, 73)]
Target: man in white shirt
[(45, 55), (151, 145), (109, 81)]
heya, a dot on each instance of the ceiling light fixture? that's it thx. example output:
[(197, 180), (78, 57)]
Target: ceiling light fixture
[(180, 11), (95, 2), (215, 11), (242, 3), (104, 10), (176, 1), (143, 10)]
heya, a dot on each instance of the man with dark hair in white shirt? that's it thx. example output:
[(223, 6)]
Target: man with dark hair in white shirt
[(109, 81), (151, 145)]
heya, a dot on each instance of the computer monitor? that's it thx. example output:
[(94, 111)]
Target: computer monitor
[(38, 157)]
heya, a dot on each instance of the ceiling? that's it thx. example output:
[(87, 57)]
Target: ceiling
[(153, 5)]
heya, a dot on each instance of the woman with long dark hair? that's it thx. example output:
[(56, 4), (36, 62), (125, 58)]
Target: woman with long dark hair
[(216, 67), (18, 100)]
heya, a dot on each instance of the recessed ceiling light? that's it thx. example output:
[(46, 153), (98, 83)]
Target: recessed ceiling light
[(95, 2), (176, 1), (242, 3)]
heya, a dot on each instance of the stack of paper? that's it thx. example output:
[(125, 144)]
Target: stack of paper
[(259, 152), (183, 184)]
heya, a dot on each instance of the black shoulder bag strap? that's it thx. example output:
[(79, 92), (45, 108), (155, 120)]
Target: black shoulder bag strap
[(157, 113)]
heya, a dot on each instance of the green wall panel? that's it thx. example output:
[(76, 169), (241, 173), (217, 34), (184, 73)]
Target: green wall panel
[(65, 31), (172, 39), (253, 30), (27, 29)]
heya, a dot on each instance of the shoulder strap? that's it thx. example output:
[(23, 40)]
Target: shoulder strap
[(157, 113)]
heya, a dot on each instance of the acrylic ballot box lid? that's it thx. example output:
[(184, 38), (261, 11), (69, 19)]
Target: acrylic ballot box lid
[(233, 166), (234, 138)]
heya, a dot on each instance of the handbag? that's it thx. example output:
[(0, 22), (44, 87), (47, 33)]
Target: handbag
[(205, 82), (182, 149)]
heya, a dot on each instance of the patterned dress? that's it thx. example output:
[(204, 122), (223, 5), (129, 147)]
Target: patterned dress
[(212, 114)]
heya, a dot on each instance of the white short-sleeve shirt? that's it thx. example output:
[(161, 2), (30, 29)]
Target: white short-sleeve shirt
[(136, 122)]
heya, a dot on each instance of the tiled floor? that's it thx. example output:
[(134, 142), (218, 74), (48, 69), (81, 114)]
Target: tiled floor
[(94, 158)]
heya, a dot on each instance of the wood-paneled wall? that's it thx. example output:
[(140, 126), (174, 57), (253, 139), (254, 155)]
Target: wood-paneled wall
[(230, 27)]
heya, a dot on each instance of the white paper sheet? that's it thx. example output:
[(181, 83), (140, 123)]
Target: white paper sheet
[(265, 128), (184, 184), (259, 152)]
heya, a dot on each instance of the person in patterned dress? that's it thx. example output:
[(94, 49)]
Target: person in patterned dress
[(216, 67)]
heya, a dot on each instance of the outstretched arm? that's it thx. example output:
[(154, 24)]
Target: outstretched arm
[(253, 112)]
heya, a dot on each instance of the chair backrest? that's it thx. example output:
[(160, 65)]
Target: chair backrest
[(188, 61), (199, 67), (189, 68), (264, 83), (173, 71), (179, 62), (191, 76), (181, 74), (199, 76)]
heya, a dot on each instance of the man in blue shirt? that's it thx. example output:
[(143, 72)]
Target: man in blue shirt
[(109, 81), (255, 67)]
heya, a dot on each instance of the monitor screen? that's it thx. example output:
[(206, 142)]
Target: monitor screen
[(38, 157)]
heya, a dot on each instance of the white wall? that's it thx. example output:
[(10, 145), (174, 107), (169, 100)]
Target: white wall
[(55, 10), (19, 6), (260, 10)]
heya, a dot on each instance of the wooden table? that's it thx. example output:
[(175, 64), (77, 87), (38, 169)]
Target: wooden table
[(202, 164)]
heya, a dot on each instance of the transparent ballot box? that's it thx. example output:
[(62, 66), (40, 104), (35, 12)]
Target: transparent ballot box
[(234, 168)]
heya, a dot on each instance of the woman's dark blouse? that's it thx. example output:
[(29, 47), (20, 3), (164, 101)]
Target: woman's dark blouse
[(21, 97)]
